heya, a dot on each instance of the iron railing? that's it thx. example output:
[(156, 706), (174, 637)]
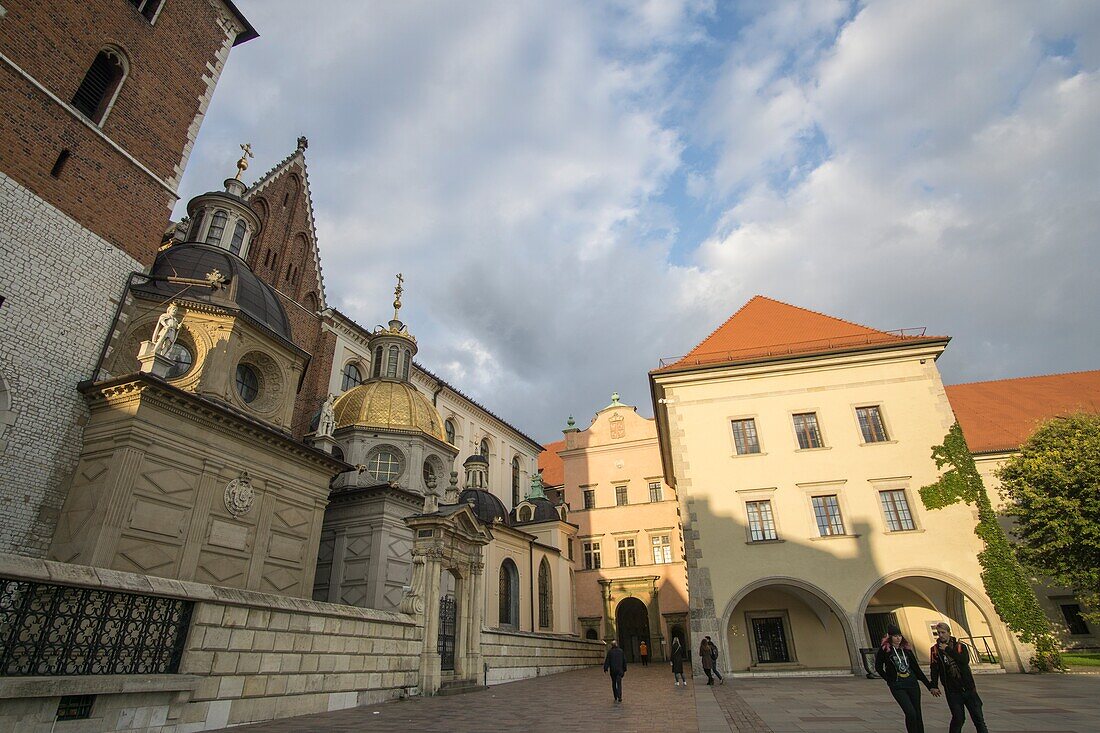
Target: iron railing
[(49, 630), (448, 616)]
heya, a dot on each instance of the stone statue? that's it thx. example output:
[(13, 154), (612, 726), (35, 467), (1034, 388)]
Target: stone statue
[(242, 164), (431, 497), (166, 331), (327, 422)]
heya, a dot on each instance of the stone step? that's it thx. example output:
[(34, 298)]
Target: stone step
[(460, 687)]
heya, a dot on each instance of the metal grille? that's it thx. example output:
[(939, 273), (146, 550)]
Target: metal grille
[(447, 618), (98, 83), (771, 641), (50, 630)]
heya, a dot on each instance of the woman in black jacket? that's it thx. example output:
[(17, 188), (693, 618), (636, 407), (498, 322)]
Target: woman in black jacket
[(896, 663), (678, 661)]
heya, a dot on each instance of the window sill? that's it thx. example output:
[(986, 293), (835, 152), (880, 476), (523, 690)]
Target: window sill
[(812, 450), (749, 455), (918, 530), (835, 537), (878, 442), (764, 542)]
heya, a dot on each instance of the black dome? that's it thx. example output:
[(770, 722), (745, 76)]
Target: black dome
[(486, 506), (476, 458), (242, 290), (544, 511)]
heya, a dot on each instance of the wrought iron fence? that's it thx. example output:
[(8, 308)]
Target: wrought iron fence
[(448, 616), (49, 630)]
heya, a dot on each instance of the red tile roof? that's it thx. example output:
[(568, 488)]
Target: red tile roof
[(551, 465), (1001, 415), (765, 327)]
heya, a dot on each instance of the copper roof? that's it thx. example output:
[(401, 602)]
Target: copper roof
[(551, 465), (1000, 415), (764, 327)]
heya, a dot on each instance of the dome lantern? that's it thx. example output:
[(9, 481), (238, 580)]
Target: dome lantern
[(392, 347)]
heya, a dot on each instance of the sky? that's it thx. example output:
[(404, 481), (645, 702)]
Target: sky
[(576, 190)]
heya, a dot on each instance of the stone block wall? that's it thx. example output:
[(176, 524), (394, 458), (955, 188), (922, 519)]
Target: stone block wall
[(60, 284), (518, 655)]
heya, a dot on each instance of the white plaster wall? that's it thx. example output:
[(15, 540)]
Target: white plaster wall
[(60, 284)]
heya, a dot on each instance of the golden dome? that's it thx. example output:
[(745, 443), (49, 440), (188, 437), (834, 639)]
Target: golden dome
[(387, 405)]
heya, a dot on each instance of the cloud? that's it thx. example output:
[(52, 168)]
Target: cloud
[(532, 167)]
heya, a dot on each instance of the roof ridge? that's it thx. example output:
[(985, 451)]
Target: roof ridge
[(1018, 379), (835, 318)]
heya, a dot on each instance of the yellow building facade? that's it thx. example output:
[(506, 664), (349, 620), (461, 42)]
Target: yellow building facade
[(797, 444)]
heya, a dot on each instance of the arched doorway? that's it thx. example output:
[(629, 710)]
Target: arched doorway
[(632, 621), (916, 603), (508, 611), (448, 621), (591, 634), (785, 624), (677, 632)]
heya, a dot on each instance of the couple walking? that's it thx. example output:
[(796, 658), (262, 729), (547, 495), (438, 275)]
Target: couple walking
[(896, 663), (708, 656)]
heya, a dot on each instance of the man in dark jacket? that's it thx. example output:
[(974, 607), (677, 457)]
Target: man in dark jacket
[(951, 663), (615, 664)]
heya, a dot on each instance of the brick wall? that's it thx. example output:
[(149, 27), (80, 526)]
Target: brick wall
[(58, 304)]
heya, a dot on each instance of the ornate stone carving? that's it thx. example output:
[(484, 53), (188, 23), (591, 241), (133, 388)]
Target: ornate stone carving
[(413, 600), (327, 423), (166, 330), (239, 495), (431, 497)]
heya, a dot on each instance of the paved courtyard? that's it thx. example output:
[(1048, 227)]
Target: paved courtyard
[(581, 701)]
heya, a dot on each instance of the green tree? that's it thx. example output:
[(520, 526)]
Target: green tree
[(1004, 578), (1052, 489)]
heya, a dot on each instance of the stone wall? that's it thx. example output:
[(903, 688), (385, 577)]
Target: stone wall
[(518, 655), (52, 328)]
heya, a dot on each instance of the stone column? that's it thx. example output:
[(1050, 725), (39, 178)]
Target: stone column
[(336, 569), (116, 502), (462, 611), (656, 638), (205, 496), (608, 618), (429, 653), (477, 612)]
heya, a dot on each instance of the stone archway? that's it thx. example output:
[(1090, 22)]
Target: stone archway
[(632, 623)]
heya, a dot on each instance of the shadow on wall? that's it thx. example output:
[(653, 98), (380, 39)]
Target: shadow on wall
[(811, 603)]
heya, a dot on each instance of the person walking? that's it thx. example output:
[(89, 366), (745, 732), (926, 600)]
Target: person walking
[(615, 664), (896, 663), (714, 667), (643, 652), (951, 663), (678, 662), (706, 659)]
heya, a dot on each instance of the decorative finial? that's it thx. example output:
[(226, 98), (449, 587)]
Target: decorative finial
[(397, 295), (615, 398), (303, 143), (242, 164), (570, 423)]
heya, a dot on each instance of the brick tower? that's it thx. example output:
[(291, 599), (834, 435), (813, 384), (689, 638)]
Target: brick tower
[(101, 103)]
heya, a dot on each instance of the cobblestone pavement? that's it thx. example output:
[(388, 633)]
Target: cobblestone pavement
[(581, 701)]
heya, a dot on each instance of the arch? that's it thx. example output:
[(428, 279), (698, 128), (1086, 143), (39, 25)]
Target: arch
[(391, 362), (484, 447), (377, 370), (1001, 638), (196, 226), (546, 596), (591, 634), (311, 304), (102, 82), (406, 363), (217, 227), (350, 376), (850, 638), (515, 481), (508, 607), (449, 429), (632, 626), (236, 244), (525, 514)]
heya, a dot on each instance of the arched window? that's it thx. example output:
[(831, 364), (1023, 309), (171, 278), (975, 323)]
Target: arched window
[(515, 481), (391, 362), (508, 613), (591, 634), (405, 364), (352, 377), (545, 596), (98, 90), (449, 427), (217, 227), (238, 238), (196, 227), (378, 361), (525, 514), (483, 449)]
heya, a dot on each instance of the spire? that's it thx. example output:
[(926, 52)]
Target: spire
[(242, 164), (397, 296)]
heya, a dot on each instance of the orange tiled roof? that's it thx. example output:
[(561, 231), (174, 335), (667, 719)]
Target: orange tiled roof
[(765, 327), (1001, 415), (550, 464)]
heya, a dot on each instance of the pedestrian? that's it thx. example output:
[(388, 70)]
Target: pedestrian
[(714, 661), (896, 663), (615, 664), (678, 661), (643, 652), (706, 660), (951, 663)]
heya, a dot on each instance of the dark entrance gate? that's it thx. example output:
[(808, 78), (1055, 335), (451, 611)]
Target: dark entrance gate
[(447, 623), (632, 622), (877, 623), (771, 641)]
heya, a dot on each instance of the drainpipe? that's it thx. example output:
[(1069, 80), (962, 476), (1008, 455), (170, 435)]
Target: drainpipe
[(534, 590)]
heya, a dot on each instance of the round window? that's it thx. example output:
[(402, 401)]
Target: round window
[(429, 472), (384, 464), (181, 359), (248, 383)]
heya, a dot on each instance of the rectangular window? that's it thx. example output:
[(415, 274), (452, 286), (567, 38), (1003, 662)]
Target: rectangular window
[(570, 548), (805, 427), (896, 508), (627, 558), (761, 521), (1071, 612), (662, 549), (589, 498), (655, 492), (870, 424), (744, 436), (827, 514), (620, 495), (591, 552)]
